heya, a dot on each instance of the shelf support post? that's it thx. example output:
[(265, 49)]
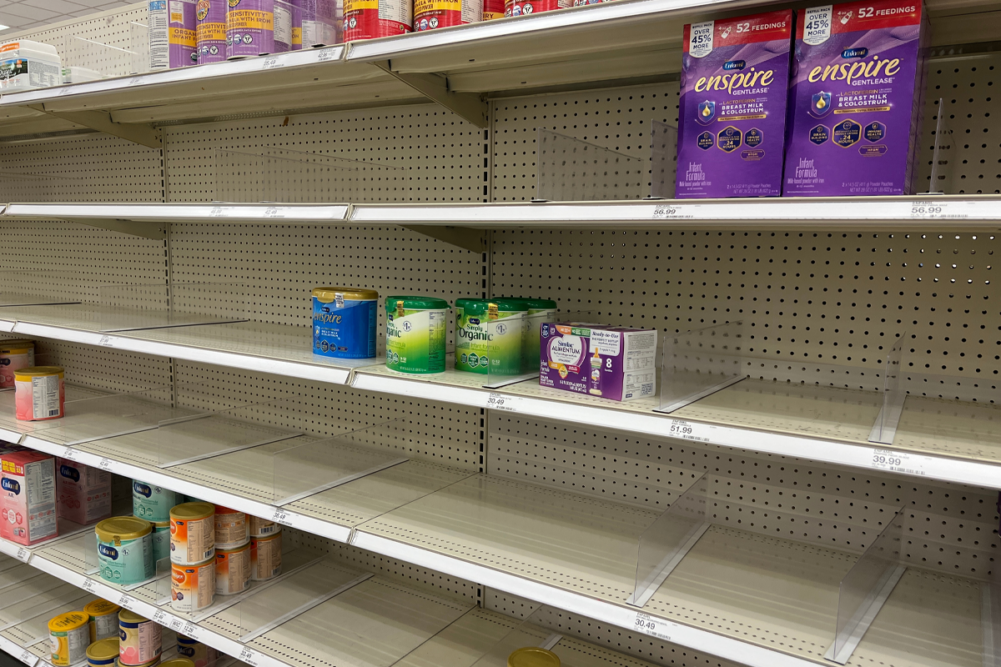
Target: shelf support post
[(471, 108), (144, 135)]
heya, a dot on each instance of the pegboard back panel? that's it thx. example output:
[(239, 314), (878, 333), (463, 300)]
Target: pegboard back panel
[(280, 264), (950, 528), (443, 433), (105, 368), (435, 155), (84, 168)]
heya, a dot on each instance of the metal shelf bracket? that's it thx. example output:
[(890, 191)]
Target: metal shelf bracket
[(467, 238), (470, 107), (101, 121)]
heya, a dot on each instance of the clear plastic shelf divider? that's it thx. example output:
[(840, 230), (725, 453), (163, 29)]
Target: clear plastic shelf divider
[(293, 596), (701, 362), (41, 288), (92, 564), (163, 583), (530, 633), (574, 170), (42, 607), (894, 394), (85, 59), (866, 587), (139, 307), (663, 159), (669, 538), (943, 169), (504, 350), (139, 39), (310, 465)]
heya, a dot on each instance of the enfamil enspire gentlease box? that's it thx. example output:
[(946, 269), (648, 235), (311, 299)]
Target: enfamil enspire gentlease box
[(732, 113), (855, 99)]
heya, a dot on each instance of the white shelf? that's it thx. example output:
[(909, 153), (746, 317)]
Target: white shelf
[(215, 213)]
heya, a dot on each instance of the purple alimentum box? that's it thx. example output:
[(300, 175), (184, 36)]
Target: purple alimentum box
[(731, 119), (619, 363), (855, 99)]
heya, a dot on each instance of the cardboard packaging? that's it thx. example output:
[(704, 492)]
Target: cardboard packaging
[(28, 503)]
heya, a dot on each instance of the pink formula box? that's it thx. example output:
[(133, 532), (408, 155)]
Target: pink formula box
[(83, 493), (28, 503)]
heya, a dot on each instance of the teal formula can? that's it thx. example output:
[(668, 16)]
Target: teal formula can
[(152, 503), (125, 550)]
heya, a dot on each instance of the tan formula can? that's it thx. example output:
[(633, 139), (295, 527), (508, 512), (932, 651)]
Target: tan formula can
[(266, 557), (192, 587), (232, 570), (262, 527), (192, 533), (231, 529), (140, 640)]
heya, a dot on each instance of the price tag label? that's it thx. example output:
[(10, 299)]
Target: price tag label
[(282, 517), (679, 428), (136, 80), (105, 464), (249, 656), (23, 555), (191, 631), (89, 586), (65, 91), (220, 211), (326, 55), (501, 402), (272, 63), (655, 627), (106, 341), (160, 617), (125, 601), (935, 210), (673, 212), (910, 464), (275, 212), (28, 658), (176, 624), (70, 453)]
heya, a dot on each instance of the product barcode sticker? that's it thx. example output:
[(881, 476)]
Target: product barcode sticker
[(680, 428), (911, 464), (23, 555), (501, 402), (673, 212), (106, 341), (655, 627)]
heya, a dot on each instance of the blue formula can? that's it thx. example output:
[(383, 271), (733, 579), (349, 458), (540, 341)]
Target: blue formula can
[(345, 322)]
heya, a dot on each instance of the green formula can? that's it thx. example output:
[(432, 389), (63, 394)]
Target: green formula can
[(490, 336), (416, 327)]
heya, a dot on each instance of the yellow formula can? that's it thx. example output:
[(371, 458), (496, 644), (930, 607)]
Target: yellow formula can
[(232, 570), (266, 557), (103, 653), (140, 640), (532, 656), (192, 533), (192, 587), (151, 663), (103, 620), (177, 662), (69, 636)]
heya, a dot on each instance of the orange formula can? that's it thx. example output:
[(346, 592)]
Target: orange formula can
[(266, 557), (262, 527), (192, 587), (431, 14), (231, 529), (192, 533), (232, 570)]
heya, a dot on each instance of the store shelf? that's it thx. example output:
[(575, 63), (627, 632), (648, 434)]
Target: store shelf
[(211, 213)]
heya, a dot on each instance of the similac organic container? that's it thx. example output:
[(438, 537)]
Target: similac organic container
[(231, 529), (431, 14), (102, 620), (262, 527), (69, 636), (489, 336), (345, 322), (197, 652), (39, 393), (140, 640), (161, 540), (192, 533), (104, 652), (232, 570), (125, 550), (192, 587), (152, 502), (266, 557), (15, 354), (368, 19), (416, 327)]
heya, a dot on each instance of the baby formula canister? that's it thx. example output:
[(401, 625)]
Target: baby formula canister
[(192, 533), (151, 502), (231, 529), (140, 640), (161, 540), (321, 21), (232, 570), (69, 636), (520, 7), (489, 336), (531, 656), (102, 618), (345, 322), (39, 393), (296, 25), (493, 9), (416, 327), (178, 662), (368, 19), (283, 26), (197, 652), (192, 587), (152, 663), (210, 16), (104, 652), (262, 527), (266, 557), (250, 28), (125, 550), (431, 14), (14, 355), (172, 34)]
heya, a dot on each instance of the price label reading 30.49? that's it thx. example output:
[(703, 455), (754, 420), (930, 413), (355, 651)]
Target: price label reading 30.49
[(655, 627)]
